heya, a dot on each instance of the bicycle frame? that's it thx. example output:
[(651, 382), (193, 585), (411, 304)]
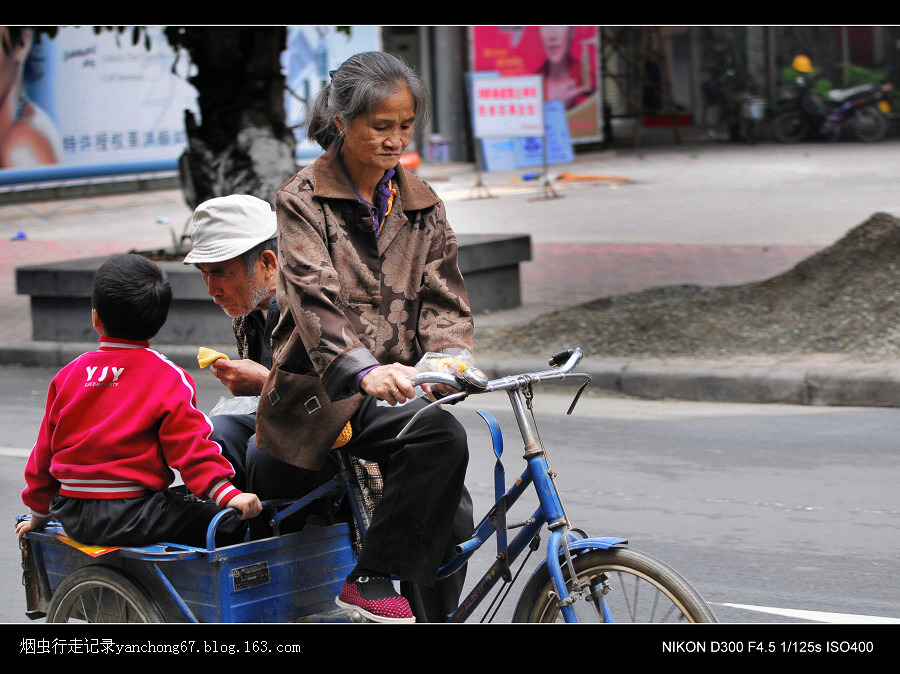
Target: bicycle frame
[(563, 539)]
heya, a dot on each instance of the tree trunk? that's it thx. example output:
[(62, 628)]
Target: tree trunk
[(240, 144)]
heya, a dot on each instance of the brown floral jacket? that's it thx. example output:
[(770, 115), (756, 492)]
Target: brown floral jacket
[(350, 300)]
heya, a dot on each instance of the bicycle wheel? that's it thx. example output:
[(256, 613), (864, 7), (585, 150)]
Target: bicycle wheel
[(868, 124), (99, 594), (636, 588)]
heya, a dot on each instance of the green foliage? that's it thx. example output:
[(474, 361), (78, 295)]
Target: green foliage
[(789, 75), (820, 87), (856, 75)]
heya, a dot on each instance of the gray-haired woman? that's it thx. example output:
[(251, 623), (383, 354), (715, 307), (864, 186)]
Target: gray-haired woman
[(369, 283)]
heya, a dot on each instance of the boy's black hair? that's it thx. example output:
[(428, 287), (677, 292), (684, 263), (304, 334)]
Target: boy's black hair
[(132, 295)]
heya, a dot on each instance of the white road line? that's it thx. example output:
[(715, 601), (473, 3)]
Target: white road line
[(817, 616), (15, 451)]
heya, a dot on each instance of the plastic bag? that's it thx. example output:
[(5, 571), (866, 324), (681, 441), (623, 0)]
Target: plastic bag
[(445, 363), (238, 405)]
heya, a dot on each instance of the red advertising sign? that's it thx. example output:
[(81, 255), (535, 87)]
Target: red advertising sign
[(508, 107), (566, 57)]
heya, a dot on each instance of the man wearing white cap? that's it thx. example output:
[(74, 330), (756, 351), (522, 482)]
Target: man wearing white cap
[(235, 247)]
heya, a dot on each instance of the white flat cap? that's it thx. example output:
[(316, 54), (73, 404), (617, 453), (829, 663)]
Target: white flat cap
[(224, 227)]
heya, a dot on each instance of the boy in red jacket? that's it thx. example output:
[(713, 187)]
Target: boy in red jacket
[(118, 420)]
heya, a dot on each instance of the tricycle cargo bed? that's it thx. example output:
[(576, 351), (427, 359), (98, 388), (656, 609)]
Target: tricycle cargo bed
[(280, 579)]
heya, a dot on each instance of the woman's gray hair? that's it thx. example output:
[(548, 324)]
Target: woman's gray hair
[(357, 87)]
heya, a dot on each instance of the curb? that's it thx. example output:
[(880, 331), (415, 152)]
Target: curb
[(807, 381), (792, 383), (56, 354), (788, 384)]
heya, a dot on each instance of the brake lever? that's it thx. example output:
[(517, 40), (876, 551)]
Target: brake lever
[(578, 395), (447, 400), (471, 380)]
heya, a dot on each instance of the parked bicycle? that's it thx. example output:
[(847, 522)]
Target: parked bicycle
[(731, 113), (295, 577)]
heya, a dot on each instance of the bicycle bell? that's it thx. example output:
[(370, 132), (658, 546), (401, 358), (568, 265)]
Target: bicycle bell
[(474, 378)]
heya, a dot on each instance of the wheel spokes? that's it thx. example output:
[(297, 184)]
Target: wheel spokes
[(100, 604), (638, 598)]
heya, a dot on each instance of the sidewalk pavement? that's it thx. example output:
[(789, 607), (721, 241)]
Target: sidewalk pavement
[(614, 196)]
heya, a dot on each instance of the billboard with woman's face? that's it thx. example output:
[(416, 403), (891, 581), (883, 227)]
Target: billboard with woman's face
[(88, 103), (567, 57)]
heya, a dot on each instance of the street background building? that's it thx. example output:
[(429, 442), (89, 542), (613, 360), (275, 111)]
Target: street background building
[(652, 75), (122, 106)]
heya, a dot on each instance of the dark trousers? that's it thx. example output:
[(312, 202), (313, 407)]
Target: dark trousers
[(436, 603), (425, 510), (157, 517), (424, 474), (270, 479), (232, 432)]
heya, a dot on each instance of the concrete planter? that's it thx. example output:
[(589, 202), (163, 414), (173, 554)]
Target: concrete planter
[(60, 292)]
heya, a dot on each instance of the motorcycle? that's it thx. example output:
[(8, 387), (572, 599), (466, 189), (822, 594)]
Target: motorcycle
[(858, 110)]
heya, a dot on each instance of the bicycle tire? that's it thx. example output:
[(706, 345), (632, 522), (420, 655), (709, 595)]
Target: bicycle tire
[(100, 594), (629, 575), (868, 124)]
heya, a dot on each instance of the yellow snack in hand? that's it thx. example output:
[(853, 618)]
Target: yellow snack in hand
[(206, 356)]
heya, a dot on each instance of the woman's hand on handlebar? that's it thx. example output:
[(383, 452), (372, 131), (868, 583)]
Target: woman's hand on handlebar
[(390, 383)]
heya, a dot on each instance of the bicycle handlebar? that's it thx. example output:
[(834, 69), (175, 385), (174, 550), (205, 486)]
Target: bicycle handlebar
[(473, 380)]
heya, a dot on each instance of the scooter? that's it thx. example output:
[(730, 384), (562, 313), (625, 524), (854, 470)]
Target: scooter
[(858, 110)]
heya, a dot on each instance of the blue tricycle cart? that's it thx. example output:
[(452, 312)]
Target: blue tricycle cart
[(295, 577), (283, 578)]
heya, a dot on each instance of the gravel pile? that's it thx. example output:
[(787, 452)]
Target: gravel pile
[(844, 299)]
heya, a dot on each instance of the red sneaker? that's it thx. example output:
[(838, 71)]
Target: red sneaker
[(376, 599)]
